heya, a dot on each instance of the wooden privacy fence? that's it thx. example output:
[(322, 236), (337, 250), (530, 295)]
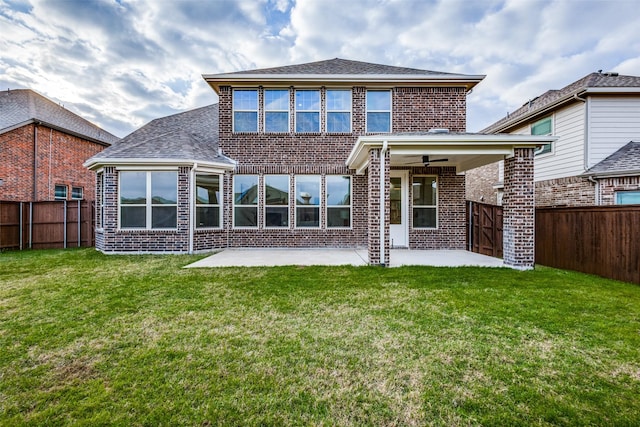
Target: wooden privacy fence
[(43, 225), (484, 225), (600, 240)]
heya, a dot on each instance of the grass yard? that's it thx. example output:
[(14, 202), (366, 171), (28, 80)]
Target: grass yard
[(89, 339)]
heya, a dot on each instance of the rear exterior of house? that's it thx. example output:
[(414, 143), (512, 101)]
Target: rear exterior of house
[(326, 154), (43, 147), (593, 162)]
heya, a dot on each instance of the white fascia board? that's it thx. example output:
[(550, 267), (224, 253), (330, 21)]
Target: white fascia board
[(146, 163), (612, 174), (612, 90)]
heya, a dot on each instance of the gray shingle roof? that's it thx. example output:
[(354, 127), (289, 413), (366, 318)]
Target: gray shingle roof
[(340, 66), (190, 136), (593, 80), (22, 106), (626, 159)]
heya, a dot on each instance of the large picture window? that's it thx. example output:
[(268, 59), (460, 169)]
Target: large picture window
[(148, 200), (245, 200), (276, 200), (338, 201), (276, 110), (379, 111), (425, 202), (307, 111), (307, 201), (208, 201), (245, 110), (338, 111), (542, 127)]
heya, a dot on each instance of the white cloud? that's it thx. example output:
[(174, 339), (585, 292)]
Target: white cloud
[(124, 63)]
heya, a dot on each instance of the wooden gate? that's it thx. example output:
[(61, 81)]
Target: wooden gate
[(484, 229)]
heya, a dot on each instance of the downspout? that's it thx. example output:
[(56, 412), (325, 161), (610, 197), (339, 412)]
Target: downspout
[(35, 161), (383, 185), (596, 190), (192, 205)]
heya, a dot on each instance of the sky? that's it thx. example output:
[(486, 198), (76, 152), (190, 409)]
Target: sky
[(122, 63)]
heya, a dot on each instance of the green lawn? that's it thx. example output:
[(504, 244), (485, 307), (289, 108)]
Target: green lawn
[(89, 339)]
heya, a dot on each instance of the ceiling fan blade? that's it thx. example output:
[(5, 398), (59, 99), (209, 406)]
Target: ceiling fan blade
[(426, 161)]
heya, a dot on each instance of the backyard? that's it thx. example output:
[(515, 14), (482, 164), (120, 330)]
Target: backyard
[(89, 339)]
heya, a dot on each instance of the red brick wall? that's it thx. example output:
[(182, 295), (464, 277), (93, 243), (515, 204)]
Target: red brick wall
[(609, 186), (570, 191), (59, 161), (479, 184)]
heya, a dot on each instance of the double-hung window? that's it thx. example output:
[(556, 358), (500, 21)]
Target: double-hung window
[(276, 110), (60, 192), (338, 111), (542, 127), (276, 200), (148, 200), (207, 201), (245, 200), (245, 110), (307, 201), (425, 202), (307, 111), (379, 111), (100, 200), (338, 201), (77, 193)]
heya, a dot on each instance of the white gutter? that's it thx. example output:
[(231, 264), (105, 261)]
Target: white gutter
[(192, 205), (383, 186)]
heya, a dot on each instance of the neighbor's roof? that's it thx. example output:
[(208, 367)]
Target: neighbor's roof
[(19, 107), (591, 83), (339, 70), (625, 161), (191, 136)]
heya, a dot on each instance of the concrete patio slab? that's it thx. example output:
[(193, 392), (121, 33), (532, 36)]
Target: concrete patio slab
[(249, 257)]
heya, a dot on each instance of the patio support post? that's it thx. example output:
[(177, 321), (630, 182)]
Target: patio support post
[(519, 210), (378, 191)]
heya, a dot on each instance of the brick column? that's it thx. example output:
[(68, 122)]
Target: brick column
[(376, 191), (519, 210)]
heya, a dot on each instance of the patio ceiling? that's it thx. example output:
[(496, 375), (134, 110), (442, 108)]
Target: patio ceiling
[(464, 151)]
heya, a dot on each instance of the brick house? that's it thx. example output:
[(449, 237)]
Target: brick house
[(333, 153), (595, 160), (43, 147)]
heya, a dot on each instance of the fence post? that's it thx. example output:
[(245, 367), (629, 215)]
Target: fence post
[(64, 224), (79, 237), (20, 226), (30, 225), (470, 227)]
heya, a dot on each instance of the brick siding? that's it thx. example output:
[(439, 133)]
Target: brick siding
[(570, 191), (59, 159), (479, 184), (609, 186)]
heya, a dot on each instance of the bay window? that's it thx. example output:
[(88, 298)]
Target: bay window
[(148, 200), (208, 201)]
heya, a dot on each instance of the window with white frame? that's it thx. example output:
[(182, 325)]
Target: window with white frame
[(379, 111), (338, 111), (60, 192), (245, 110), (276, 201), (148, 200), (542, 127), (276, 110), (245, 201), (338, 201), (208, 193), (77, 193), (100, 200), (307, 192), (425, 202), (627, 197), (307, 111)]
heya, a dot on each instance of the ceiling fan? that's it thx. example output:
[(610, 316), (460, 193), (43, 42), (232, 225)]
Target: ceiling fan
[(423, 161), (426, 161)]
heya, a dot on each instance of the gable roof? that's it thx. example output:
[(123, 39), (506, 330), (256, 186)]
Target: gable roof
[(625, 161), (190, 136), (19, 107), (551, 99), (339, 70)]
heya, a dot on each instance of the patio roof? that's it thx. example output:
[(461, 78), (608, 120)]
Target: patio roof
[(463, 150)]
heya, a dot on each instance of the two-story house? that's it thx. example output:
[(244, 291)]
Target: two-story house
[(333, 153), (43, 147), (596, 159)]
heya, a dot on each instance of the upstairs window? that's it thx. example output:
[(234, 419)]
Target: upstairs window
[(379, 111), (338, 111), (245, 201), (207, 201), (308, 201), (425, 202), (148, 200), (542, 127), (77, 193), (60, 192), (245, 110), (307, 111), (338, 201), (276, 110), (276, 200)]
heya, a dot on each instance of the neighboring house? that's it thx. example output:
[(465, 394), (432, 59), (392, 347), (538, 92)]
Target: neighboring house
[(595, 160), (42, 149), (334, 153)]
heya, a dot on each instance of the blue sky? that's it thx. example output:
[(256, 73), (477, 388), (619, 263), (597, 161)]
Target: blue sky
[(122, 63)]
